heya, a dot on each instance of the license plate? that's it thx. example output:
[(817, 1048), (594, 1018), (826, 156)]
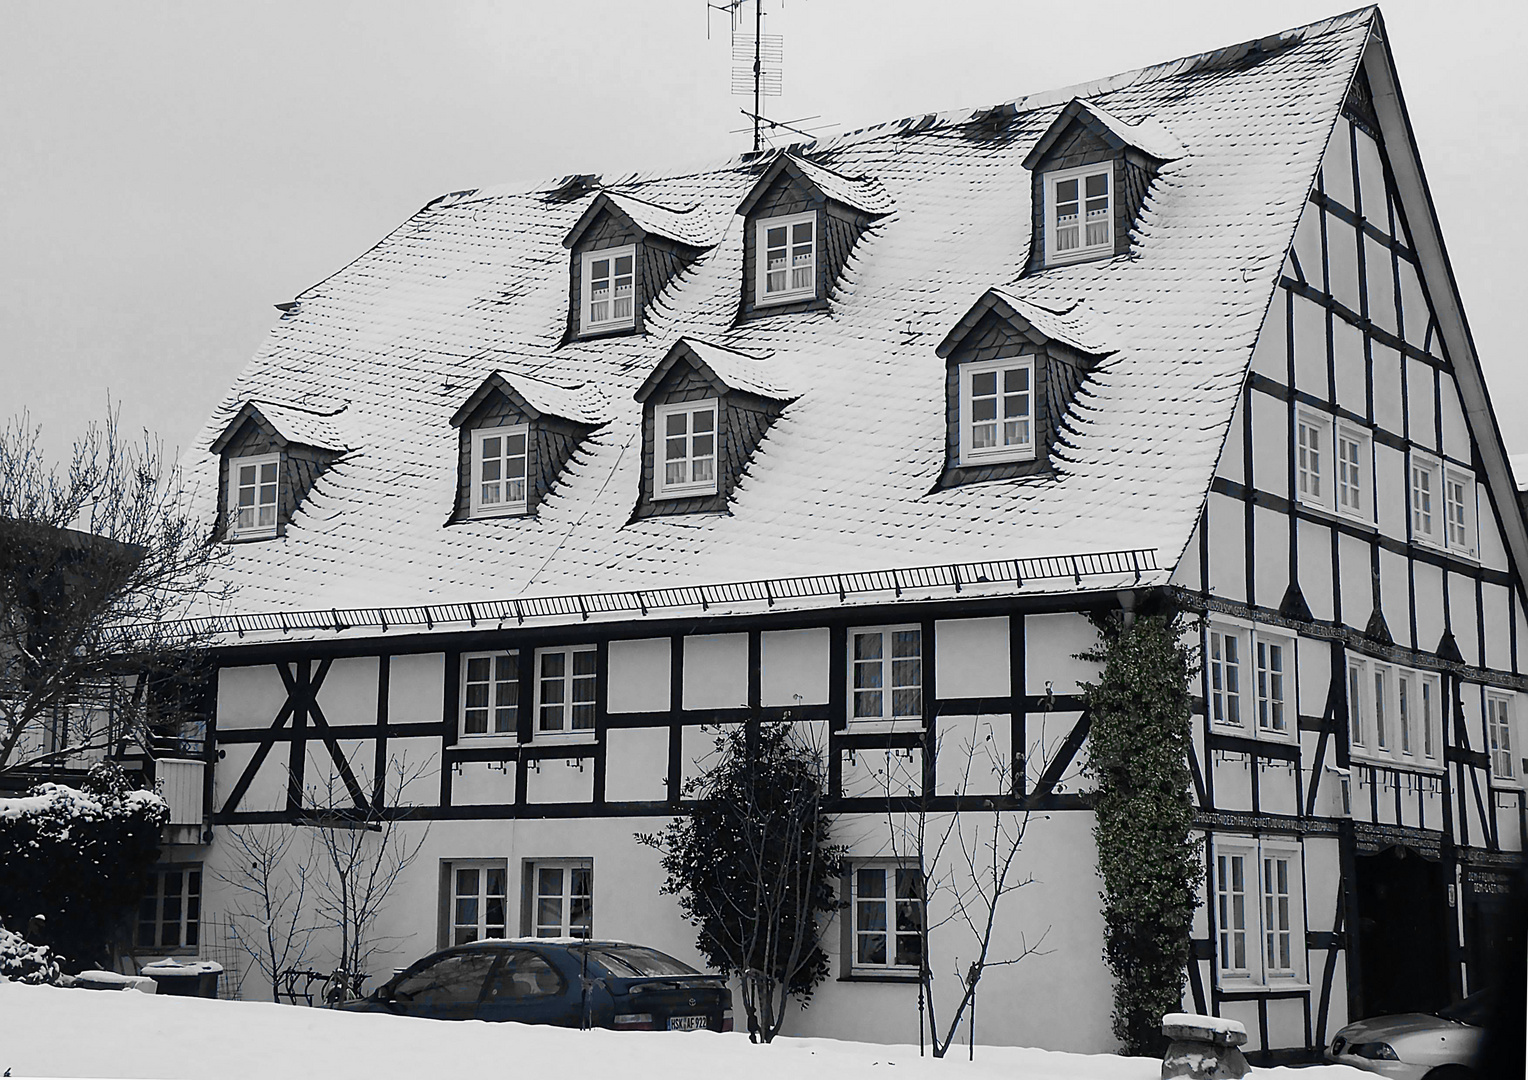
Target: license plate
[(687, 1023)]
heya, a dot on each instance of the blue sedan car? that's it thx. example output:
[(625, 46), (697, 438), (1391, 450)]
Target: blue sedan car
[(566, 982)]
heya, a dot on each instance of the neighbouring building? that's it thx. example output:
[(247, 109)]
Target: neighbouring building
[(857, 434)]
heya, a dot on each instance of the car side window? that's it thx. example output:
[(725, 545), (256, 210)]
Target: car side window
[(524, 974), (454, 980)]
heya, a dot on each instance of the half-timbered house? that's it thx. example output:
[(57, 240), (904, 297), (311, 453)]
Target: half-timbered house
[(857, 434)]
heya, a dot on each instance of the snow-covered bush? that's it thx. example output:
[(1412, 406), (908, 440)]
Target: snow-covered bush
[(23, 962), (79, 857)]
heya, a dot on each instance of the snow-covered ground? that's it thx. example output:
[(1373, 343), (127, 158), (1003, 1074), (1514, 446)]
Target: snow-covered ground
[(46, 1031)]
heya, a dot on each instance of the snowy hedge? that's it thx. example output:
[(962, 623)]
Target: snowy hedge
[(78, 857), (23, 962)]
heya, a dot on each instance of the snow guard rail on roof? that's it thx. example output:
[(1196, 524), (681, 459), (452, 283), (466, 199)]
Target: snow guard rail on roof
[(949, 575)]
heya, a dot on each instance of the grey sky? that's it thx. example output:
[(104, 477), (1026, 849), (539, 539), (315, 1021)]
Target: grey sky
[(168, 171)]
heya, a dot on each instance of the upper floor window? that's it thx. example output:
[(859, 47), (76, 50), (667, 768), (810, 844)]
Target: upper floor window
[(1442, 505), (886, 674), (499, 470), (1426, 523), (1499, 735), (609, 289), (688, 433), (1459, 510), (1394, 714), (566, 681), (1079, 212), (997, 410), (1332, 465), (1271, 671), (490, 693), (254, 492), (787, 263)]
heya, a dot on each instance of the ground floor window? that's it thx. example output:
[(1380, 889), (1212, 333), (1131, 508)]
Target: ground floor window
[(560, 898), (1259, 935), (887, 906), (169, 915), (477, 900)]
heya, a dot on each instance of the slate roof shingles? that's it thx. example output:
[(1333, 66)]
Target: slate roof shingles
[(844, 479)]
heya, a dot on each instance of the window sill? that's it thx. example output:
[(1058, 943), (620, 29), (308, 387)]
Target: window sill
[(1092, 255), (906, 977), (1246, 984), (562, 738), (606, 329), (785, 298), (1360, 756), (245, 538), (882, 727), (685, 493), (976, 461), (512, 510), (494, 740)]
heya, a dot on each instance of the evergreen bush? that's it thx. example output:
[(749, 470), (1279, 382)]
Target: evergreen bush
[(1138, 747), (78, 857)]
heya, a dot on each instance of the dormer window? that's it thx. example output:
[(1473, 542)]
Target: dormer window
[(625, 251), (1012, 370), (689, 449), (802, 221), (997, 410), (609, 293), (788, 270), (271, 455), (1079, 213), (255, 484), (517, 434), (706, 409), (499, 458), (1090, 173)]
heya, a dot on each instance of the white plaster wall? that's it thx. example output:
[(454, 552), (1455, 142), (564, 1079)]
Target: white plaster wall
[(1316, 569), (1044, 733), (1381, 283), (1371, 178), (974, 755), (1420, 404), (1389, 411), (636, 764), (1270, 571), (1390, 491), (1276, 787), (249, 697), (971, 657), (1051, 644), (1395, 597), (1357, 589), (1456, 432), (1228, 547), (416, 688), (1286, 1022), (1415, 314), (480, 783), (565, 780), (418, 757), (1337, 165), (1270, 443), (1351, 381), (1310, 350), (1270, 356), (639, 676), (268, 789), (1313, 672), (1429, 594), (1187, 573), (1494, 600), (716, 671), (1233, 780), (349, 691), (794, 667), (1308, 248), (1462, 610), (1493, 549)]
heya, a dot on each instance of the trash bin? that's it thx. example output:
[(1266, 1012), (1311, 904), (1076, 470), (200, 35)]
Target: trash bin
[(195, 978)]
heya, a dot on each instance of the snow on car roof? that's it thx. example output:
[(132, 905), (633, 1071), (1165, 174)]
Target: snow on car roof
[(845, 480)]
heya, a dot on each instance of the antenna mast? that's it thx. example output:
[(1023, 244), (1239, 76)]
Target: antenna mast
[(764, 55)]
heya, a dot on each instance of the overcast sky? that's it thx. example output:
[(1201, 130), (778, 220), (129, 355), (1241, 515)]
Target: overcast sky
[(169, 171)]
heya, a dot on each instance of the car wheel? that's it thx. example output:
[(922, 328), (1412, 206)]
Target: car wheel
[(1451, 1072)]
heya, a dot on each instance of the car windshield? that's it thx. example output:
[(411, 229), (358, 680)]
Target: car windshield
[(1475, 1009), (635, 962)]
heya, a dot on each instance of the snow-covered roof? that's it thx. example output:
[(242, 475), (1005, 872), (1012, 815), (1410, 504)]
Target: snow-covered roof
[(692, 225), (860, 192), (1070, 326), (1146, 134), (844, 481), (583, 403), (324, 429), (734, 369)]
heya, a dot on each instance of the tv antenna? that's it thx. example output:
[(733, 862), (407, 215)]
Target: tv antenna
[(760, 58)]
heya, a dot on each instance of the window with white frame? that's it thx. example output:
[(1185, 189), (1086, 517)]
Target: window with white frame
[(1499, 736), (1259, 928), (997, 410), (1313, 449), (1353, 472), (887, 905), (1238, 654), (562, 898), (1459, 511), (1426, 513), (1279, 942), (1274, 659), (490, 693), (498, 470), (169, 913), (885, 674), (609, 289), (1079, 212), (1225, 676), (686, 439), (1395, 714), (1231, 911), (254, 492), (478, 900), (787, 258), (565, 690)]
